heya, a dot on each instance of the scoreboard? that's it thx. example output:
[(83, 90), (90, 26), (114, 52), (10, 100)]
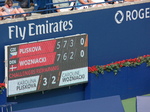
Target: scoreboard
[(46, 64)]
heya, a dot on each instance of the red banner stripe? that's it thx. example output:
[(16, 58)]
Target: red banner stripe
[(36, 61), (36, 48)]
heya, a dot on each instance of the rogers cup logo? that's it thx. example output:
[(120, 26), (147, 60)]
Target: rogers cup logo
[(119, 17), (132, 15)]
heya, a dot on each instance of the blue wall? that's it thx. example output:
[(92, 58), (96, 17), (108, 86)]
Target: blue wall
[(51, 97), (129, 82), (108, 42)]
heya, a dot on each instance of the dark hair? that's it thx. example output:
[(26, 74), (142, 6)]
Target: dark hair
[(8, 2)]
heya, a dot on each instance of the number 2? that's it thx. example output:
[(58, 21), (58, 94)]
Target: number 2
[(53, 79)]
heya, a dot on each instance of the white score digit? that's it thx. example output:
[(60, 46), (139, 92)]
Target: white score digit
[(82, 53), (65, 56), (72, 54), (82, 41), (65, 43), (58, 45), (53, 79), (44, 81), (71, 43), (58, 57)]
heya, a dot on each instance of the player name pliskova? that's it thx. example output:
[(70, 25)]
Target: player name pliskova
[(23, 85), (26, 84), (30, 49)]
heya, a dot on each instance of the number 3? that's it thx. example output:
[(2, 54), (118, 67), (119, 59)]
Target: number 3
[(44, 81)]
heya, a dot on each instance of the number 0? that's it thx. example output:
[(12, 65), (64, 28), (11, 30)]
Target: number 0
[(82, 53), (82, 41)]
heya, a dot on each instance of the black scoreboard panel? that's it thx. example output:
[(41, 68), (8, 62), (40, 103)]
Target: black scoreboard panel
[(47, 64)]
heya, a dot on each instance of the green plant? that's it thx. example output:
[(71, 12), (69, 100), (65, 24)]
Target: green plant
[(116, 66)]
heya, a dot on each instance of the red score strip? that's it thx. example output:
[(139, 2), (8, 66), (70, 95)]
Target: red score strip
[(36, 48), (34, 61)]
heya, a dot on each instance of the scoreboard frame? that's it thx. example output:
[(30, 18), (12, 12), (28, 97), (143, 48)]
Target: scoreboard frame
[(46, 64)]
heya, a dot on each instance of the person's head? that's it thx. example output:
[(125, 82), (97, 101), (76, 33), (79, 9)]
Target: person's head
[(9, 3), (1, 9)]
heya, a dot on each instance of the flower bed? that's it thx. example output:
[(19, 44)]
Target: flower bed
[(2, 87), (115, 66)]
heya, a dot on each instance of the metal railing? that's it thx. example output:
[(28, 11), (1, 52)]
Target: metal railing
[(49, 7)]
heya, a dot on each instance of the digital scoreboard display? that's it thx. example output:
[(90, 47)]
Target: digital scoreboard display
[(47, 64)]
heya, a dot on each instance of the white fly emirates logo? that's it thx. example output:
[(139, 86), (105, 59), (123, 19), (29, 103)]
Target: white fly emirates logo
[(34, 29)]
